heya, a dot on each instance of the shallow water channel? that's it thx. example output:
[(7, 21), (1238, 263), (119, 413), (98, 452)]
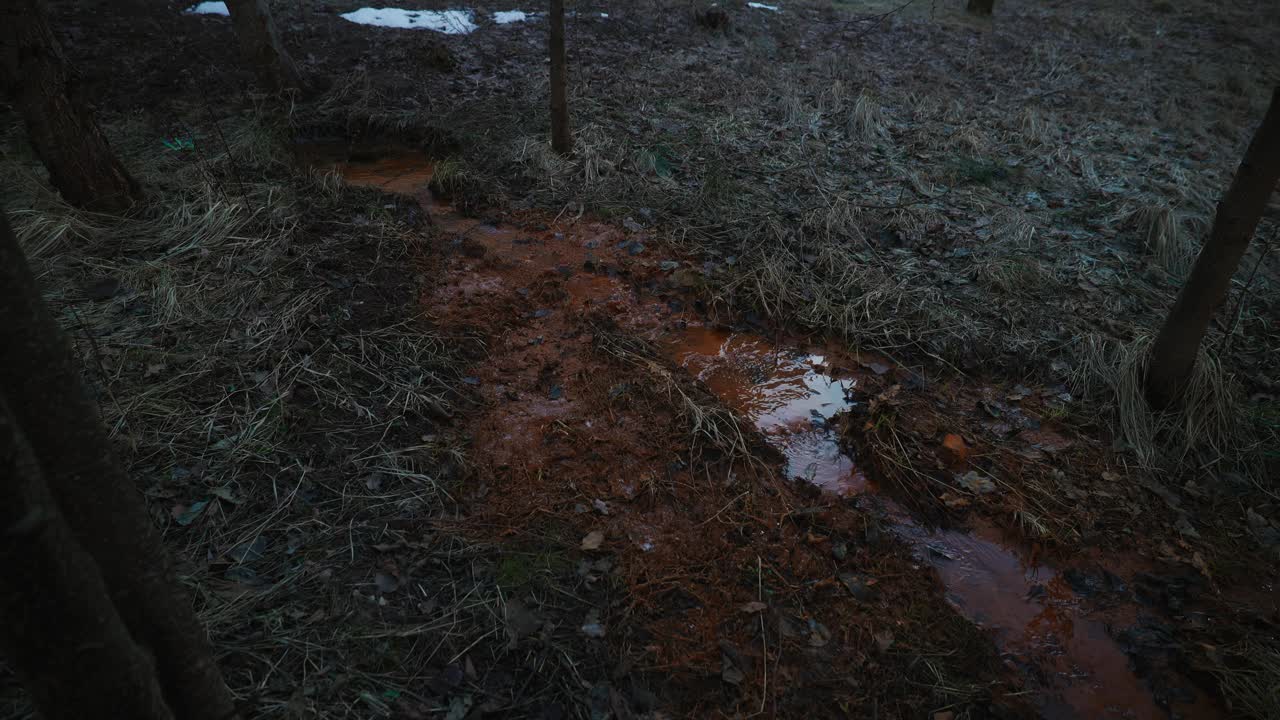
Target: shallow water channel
[(791, 394)]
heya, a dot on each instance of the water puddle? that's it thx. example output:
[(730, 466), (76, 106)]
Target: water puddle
[(209, 8), (790, 393), (449, 22)]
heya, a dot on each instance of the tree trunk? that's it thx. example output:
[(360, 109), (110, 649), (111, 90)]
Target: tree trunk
[(41, 382), (59, 123), (561, 138), (61, 633), (981, 7), (1173, 356), (260, 45)]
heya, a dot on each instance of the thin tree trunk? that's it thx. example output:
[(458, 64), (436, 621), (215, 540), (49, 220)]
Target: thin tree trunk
[(981, 7), (59, 123), (561, 138), (61, 633), (260, 45), (42, 384), (1173, 356)]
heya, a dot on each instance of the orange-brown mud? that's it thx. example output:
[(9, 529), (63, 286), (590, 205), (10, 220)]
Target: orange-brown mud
[(736, 575)]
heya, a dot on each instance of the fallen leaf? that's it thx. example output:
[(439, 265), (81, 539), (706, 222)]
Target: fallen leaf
[(593, 540), (730, 672), (521, 622), (188, 515), (386, 582), (753, 607), (225, 493), (975, 483), (860, 586), (955, 449), (884, 639)]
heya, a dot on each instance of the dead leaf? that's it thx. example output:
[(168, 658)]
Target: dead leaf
[(521, 622), (753, 607), (730, 672), (955, 451), (884, 639), (593, 540), (975, 483), (386, 582), (225, 493)]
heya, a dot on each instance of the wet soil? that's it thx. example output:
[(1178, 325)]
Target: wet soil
[(588, 341)]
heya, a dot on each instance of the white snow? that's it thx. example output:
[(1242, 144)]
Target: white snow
[(449, 22), (209, 7), (762, 6), (506, 17)]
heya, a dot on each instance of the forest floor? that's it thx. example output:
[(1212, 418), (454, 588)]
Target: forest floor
[(806, 388)]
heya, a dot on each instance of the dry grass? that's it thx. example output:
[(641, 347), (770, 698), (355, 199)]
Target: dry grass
[(1165, 235), (1249, 674), (258, 362), (710, 424), (1207, 427)]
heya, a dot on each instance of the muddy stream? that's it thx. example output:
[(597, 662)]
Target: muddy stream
[(791, 394)]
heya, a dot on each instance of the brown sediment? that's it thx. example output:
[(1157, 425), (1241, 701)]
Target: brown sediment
[(564, 432)]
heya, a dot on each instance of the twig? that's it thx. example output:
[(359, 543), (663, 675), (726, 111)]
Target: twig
[(226, 147)]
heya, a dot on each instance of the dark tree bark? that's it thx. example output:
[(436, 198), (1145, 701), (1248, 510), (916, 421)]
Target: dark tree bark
[(981, 7), (41, 382), (61, 633), (46, 91), (260, 45), (561, 138), (1173, 356)]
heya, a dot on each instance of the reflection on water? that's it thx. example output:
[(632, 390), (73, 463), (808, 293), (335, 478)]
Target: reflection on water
[(788, 395)]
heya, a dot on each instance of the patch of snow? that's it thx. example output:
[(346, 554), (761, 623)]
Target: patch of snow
[(762, 6), (506, 17), (209, 7), (449, 22)]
